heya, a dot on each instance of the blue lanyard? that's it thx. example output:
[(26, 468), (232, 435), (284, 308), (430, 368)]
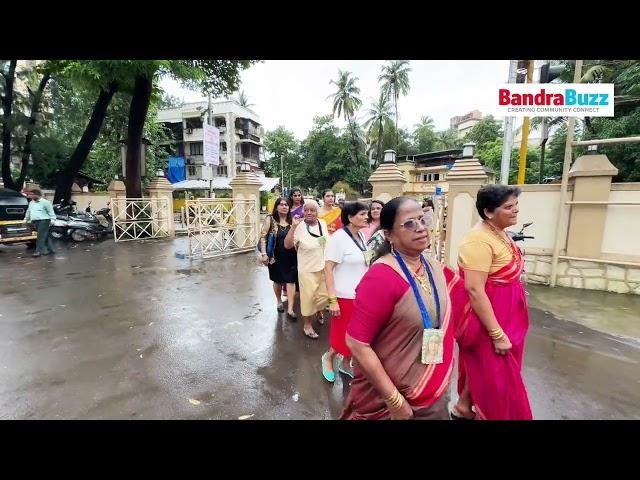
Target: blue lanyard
[(313, 234), (426, 320), (362, 247)]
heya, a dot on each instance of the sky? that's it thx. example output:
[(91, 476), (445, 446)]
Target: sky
[(291, 92)]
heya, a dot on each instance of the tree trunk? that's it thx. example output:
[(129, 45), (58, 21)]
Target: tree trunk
[(7, 104), (397, 132), (380, 135), (354, 144), (137, 117), (79, 155), (35, 109)]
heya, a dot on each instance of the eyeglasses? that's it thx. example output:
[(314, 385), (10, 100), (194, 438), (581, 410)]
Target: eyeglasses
[(412, 224)]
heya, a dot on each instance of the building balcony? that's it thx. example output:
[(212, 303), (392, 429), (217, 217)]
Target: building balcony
[(194, 160), (193, 134)]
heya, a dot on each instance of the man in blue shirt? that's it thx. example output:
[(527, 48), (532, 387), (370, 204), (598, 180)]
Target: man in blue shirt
[(41, 214)]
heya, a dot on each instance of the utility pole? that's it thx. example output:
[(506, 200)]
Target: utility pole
[(507, 143), (524, 143), (210, 122), (543, 144)]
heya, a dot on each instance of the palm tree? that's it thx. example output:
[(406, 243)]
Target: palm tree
[(243, 100), (379, 116), (448, 139), (346, 102), (395, 82), (425, 122)]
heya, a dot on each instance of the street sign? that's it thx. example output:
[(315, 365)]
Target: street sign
[(438, 191), (211, 145)]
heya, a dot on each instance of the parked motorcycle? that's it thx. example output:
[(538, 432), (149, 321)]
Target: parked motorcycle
[(88, 226), (80, 226)]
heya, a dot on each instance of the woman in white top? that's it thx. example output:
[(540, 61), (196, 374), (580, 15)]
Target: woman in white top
[(310, 237), (345, 265)]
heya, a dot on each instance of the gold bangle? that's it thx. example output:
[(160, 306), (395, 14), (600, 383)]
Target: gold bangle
[(391, 397), (397, 405), (394, 402)]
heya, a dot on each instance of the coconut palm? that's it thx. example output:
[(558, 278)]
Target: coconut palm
[(243, 100), (379, 117), (347, 103), (395, 82), (448, 139)]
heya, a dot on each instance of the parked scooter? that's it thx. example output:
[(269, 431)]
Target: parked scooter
[(80, 226), (88, 226)]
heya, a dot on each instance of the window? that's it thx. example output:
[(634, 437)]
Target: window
[(191, 171), (429, 177), (222, 171), (223, 147), (195, 148), (237, 148)]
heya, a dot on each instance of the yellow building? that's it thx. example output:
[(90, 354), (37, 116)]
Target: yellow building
[(426, 171)]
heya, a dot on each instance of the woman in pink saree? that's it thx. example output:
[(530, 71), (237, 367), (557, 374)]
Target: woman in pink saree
[(490, 312)]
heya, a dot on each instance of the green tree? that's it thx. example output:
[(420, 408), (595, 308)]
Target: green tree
[(379, 119), (243, 100), (346, 102), (448, 139), (424, 135), (395, 82), (325, 151), (485, 131), (283, 154), (22, 116), (170, 101)]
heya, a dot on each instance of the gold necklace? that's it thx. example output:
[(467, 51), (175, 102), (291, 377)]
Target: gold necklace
[(502, 239), (424, 283)]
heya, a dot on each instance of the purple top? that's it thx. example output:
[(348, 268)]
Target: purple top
[(298, 211)]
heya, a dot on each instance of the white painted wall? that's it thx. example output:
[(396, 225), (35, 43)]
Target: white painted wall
[(622, 227)]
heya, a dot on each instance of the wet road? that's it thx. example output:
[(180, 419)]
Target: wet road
[(129, 331)]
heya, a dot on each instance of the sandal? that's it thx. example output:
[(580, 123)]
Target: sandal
[(343, 370), (292, 316), (329, 375), (280, 307), (456, 416), (311, 334)]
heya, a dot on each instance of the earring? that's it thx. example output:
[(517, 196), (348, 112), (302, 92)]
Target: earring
[(393, 252)]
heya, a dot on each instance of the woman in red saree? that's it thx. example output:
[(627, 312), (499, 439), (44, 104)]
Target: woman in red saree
[(490, 312), (402, 346)]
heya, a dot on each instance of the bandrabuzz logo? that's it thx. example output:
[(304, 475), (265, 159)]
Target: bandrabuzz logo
[(554, 100)]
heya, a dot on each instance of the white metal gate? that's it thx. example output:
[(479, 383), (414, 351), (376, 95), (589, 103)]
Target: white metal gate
[(140, 218), (221, 226)]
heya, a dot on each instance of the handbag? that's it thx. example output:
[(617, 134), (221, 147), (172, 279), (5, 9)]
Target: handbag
[(271, 242)]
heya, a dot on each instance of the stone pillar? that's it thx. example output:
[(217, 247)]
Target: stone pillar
[(246, 186), (591, 177), (388, 180), (160, 187), (465, 179), (116, 191)]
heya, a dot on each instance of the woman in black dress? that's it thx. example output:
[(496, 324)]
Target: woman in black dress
[(283, 263)]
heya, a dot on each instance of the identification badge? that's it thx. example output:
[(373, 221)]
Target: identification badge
[(367, 258), (322, 241), (432, 346)]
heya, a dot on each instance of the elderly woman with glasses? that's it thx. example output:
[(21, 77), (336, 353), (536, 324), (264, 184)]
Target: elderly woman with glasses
[(400, 332)]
